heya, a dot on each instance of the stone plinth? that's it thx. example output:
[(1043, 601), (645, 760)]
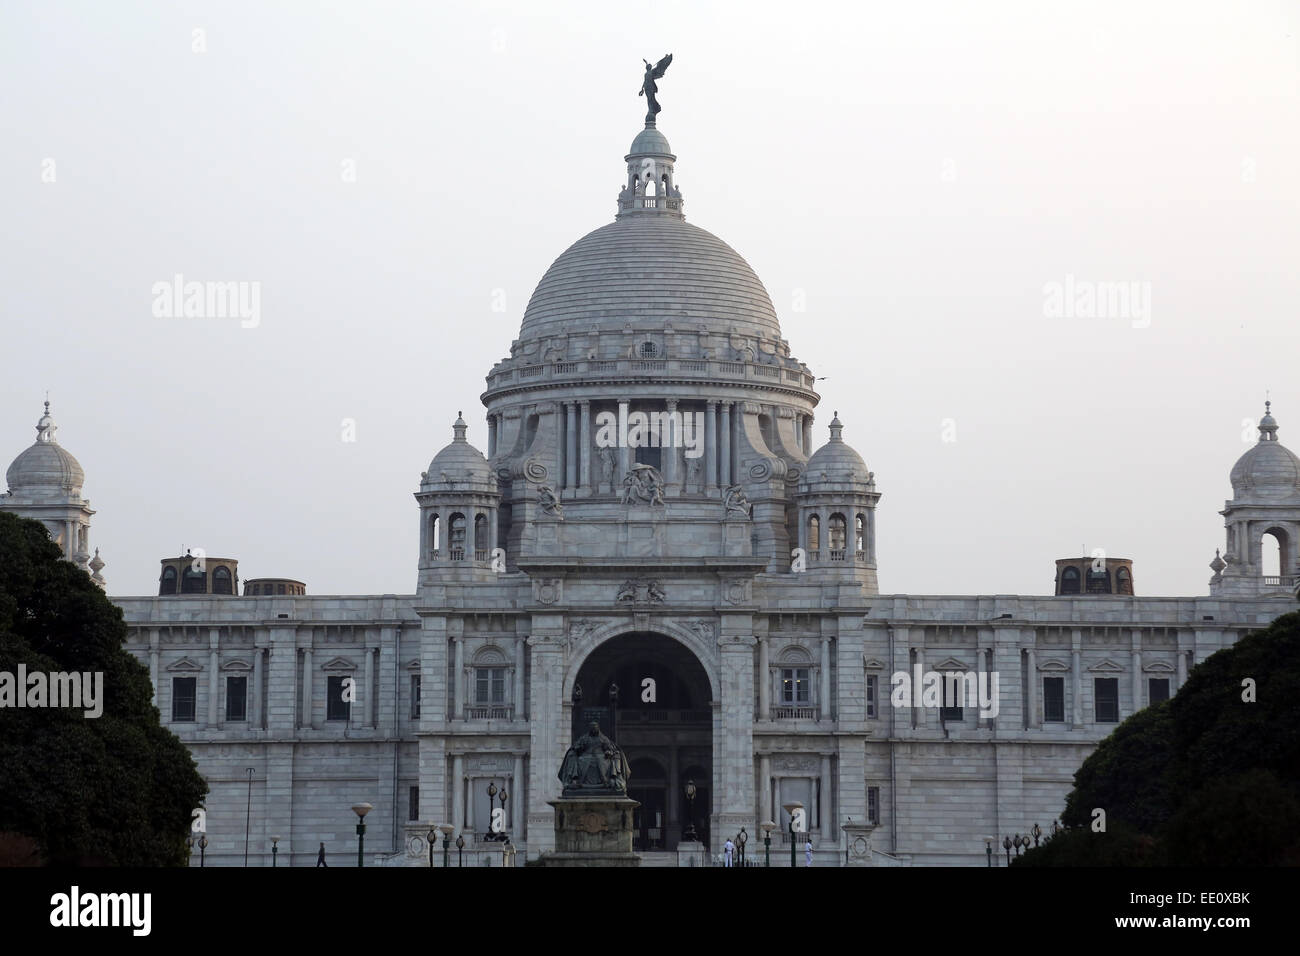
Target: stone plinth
[(593, 831), (857, 837)]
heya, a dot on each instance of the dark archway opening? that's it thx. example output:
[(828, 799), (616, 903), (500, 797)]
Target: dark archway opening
[(664, 723)]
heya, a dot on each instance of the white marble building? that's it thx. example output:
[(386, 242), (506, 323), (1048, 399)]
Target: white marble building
[(554, 562)]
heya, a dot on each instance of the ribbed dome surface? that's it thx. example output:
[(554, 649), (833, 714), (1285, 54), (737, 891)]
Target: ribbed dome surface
[(835, 458), (1270, 470), (650, 271), (459, 460), (45, 468)]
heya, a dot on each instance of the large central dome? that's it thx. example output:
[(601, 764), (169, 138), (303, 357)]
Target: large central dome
[(650, 271)]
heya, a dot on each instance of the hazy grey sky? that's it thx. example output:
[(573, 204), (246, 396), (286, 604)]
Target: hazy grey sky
[(917, 174)]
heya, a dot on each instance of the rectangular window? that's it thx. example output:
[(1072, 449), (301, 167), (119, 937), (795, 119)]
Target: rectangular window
[(413, 804), (1054, 700), (1106, 692), (795, 686), (1157, 689), (954, 689), (336, 708), (236, 698), (873, 805), (415, 699), (184, 698), (871, 695), (490, 685)]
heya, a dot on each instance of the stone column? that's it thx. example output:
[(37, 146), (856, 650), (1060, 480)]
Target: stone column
[(871, 535), (519, 681), (255, 704), (765, 781), (367, 695), (492, 532), (1076, 678), (674, 796), (214, 639), (492, 436), (562, 446), (517, 788), (1181, 655), (724, 440), (807, 434), (711, 448), (826, 809), (824, 698), (306, 688), (584, 450), (458, 702), (458, 794), (764, 683), (1137, 672), (154, 662), (798, 430), (668, 454), (1031, 720), (733, 738), (571, 456), (624, 453), (549, 736)]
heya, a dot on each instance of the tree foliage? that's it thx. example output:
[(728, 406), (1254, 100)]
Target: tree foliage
[(1209, 777), (118, 789)]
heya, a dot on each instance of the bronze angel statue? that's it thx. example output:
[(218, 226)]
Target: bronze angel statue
[(653, 71)]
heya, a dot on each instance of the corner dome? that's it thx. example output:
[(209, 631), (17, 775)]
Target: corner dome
[(460, 461), (650, 142), (46, 469), (1270, 469), (650, 272), (836, 457)]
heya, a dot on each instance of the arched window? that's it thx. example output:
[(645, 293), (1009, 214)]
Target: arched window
[(481, 545), (860, 533), (168, 585), (814, 533), (1273, 562), (1070, 581), (221, 582), (456, 538), (434, 531), (194, 581), (836, 527), (1098, 581), (1123, 581)]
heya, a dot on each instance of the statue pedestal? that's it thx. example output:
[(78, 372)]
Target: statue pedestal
[(593, 831), (857, 837)]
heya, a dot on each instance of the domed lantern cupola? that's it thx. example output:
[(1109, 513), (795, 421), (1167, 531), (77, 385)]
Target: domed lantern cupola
[(650, 189), (458, 500), (836, 501), (1264, 512), (45, 484)]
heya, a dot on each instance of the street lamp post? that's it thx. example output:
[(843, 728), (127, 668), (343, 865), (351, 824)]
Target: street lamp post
[(742, 839), (1037, 831), (361, 809), (275, 850), (505, 834), (790, 808), (248, 813), (767, 826), (203, 846), (689, 834), (460, 850), (1006, 845), (492, 795), (432, 840), (988, 849), (446, 830)]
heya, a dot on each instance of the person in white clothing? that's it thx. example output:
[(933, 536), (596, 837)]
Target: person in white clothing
[(807, 853), (727, 849)]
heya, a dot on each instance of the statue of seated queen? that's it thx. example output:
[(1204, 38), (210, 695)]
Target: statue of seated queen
[(594, 765)]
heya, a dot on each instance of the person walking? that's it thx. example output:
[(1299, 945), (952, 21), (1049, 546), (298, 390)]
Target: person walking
[(807, 853), (320, 857)]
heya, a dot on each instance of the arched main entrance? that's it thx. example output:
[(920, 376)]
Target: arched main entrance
[(668, 739)]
